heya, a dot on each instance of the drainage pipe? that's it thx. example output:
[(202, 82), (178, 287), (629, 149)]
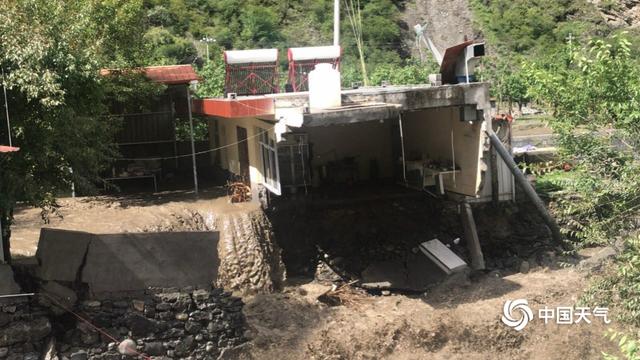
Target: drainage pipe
[(526, 186)]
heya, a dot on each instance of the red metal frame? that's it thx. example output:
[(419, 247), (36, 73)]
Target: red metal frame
[(251, 79), (299, 71)]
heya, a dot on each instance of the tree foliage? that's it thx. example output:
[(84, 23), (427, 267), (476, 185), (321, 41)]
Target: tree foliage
[(593, 94), (51, 52), (176, 28)]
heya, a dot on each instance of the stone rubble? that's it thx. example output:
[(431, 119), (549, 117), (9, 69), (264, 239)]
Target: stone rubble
[(161, 323)]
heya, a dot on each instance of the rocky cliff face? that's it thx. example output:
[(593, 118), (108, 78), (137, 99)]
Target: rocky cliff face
[(619, 13), (448, 22)]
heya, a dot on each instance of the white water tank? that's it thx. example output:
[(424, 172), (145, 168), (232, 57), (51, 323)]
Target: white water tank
[(324, 87)]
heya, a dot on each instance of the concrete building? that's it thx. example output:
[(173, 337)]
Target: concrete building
[(423, 137)]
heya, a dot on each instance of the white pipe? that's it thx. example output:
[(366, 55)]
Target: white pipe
[(336, 22)]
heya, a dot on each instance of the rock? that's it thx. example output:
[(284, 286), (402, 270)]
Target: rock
[(25, 331), (79, 355), (92, 304), (524, 267), (185, 345), (11, 309), (155, 349), (138, 305), (548, 259), (4, 319), (201, 295), (89, 337), (231, 353), (4, 352), (121, 304), (200, 315), (50, 352), (127, 347), (140, 325), (182, 317), (594, 262), (192, 327), (163, 307), (386, 292)]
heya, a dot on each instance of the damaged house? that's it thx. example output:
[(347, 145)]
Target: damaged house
[(316, 138)]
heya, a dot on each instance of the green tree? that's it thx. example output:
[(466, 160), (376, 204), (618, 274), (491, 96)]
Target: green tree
[(51, 52), (213, 77), (594, 96)]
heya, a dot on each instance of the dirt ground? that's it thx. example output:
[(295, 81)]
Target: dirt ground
[(115, 214), (462, 322), (452, 321)]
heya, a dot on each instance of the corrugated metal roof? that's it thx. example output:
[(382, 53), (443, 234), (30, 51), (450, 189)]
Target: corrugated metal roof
[(174, 74), (169, 75)]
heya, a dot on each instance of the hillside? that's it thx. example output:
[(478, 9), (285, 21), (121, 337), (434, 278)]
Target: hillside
[(513, 29)]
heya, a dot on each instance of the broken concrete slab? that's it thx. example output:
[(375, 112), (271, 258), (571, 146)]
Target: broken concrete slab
[(61, 253), (8, 285), (126, 262), (442, 256), (415, 272), (136, 261)]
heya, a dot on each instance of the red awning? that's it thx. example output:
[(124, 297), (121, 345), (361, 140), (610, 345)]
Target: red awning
[(168, 75), (6, 149), (234, 108)]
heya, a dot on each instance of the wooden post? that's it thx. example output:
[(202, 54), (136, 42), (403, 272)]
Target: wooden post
[(471, 237)]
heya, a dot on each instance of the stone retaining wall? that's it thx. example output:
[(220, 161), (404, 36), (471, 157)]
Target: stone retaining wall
[(164, 323)]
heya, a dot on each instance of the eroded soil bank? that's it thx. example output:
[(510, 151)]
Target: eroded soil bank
[(459, 320)]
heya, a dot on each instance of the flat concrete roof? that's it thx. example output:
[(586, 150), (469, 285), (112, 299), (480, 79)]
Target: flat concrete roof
[(362, 104)]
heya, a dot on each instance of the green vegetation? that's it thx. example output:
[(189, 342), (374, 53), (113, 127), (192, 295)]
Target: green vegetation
[(175, 29), (520, 30), (592, 93), (51, 52)]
